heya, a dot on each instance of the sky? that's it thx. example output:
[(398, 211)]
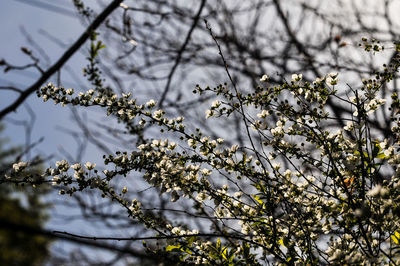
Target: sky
[(19, 21), (53, 29), (17, 17)]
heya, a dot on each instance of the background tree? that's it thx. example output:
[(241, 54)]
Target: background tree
[(21, 206)]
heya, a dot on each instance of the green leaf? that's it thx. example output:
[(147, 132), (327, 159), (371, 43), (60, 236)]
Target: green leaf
[(223, 253), (218, 243), (191, 239), (381, 156), (258, 199), (100, 46), (396, 237), (171, 248)]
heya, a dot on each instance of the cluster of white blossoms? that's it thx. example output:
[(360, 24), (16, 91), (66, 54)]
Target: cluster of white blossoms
[(17, 167), (301, 180), (181, 232), (297, 77), (369, 105), (135, 208), (62, 165), (331, 79), (90, 166), (214, 107), (279, 130), (78, 170), (264, 113)]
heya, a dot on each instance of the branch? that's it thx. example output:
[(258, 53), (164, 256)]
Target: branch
[(72, 238), (64, 58), (180, 52), (11, 88)]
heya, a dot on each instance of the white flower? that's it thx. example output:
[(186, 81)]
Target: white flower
[(201, 196), (19, 166), (297, 77), (332, 79), (209, 113), (76, 166), (191, 142), (142, 146), (70, 91), (263, 114), (353, 99), (238, 194), (383, 144), (388, 151), (375, 191), (287, 173), (158, 114), (195, 232), (123, 6), (381, 101), (151, 103), (276, 166), (318, 81), (213, 143), (279, 129), (90, 165), (311, 178), (155, 143), (216, 104), (126, 95), (234, 148), (349, 126), (61, 163), (172, 145), (264, 78), (206, 172), (55, 180), (176, 230), (204, 139), (333, 75), (307, 95)]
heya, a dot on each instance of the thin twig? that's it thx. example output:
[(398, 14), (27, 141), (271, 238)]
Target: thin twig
[(57, 235), (180, 52)]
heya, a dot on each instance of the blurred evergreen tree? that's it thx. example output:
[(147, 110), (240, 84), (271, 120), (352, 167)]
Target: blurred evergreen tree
[(20, 207)]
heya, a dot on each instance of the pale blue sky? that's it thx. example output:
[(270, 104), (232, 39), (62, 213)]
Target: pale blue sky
[(15, 14)]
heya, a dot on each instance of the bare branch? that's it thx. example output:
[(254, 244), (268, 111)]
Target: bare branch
[(180, 52)]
